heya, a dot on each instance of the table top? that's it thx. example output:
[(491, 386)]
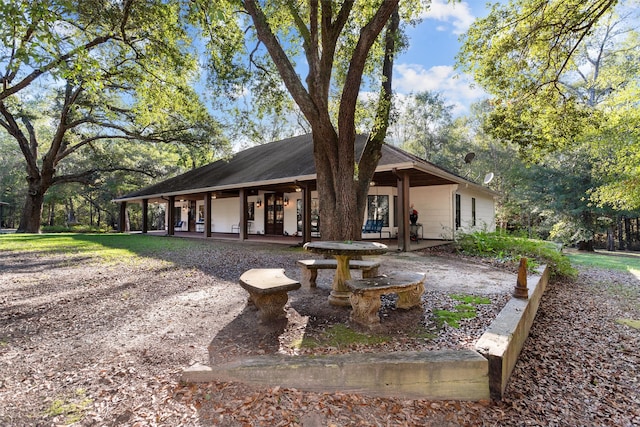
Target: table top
[(392, 281), (346, 248)]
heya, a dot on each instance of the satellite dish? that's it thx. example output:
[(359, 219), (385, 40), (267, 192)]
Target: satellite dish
[(487, 178), (469, 157)]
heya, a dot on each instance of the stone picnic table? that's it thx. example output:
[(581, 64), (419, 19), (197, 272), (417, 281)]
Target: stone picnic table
[(366, 293), (343, 251)]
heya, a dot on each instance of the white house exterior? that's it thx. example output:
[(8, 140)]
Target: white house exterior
[(263, 190)]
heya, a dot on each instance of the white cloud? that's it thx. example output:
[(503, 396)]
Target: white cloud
[(458, 14), (456, 88)]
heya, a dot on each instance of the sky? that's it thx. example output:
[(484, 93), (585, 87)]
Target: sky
[(429, 62)]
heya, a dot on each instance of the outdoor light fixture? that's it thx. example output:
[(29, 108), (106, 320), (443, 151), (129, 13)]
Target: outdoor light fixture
[(286, 201), (298, 189), (259, 202)]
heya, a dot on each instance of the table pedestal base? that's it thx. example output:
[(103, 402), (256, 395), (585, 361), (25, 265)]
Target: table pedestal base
[(339, 292), (340, 298)]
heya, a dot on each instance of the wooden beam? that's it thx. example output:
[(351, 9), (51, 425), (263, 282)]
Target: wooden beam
[(243, 214), (306, 214), (145, 216), (122, 221), (404, 186), (207, 214), (172, 216)]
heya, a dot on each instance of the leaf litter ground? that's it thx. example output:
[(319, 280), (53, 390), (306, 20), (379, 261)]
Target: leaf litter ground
[(104, 344)]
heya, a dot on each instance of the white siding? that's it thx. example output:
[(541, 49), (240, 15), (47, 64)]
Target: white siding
[(435, 210), (485, 211)]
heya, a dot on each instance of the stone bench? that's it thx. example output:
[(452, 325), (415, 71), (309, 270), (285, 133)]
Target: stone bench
[(310, 267), (268, 289), (366, 293)]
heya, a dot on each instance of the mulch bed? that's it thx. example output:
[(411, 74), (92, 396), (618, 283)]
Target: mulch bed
[(107, 342)]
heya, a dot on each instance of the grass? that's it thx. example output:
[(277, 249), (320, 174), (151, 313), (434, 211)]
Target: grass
[(607, 260), (466, 310), (106, 247), (73, 409), (627, 293), (341, 336)]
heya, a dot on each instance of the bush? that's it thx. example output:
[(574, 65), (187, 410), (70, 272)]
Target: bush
[(507, 248)]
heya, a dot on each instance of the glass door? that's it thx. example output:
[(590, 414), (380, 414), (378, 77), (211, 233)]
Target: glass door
[(274, 214)]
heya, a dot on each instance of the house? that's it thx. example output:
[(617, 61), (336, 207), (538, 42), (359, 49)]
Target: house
[(270, 189)]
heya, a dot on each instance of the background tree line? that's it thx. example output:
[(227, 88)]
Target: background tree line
[(116, 101)]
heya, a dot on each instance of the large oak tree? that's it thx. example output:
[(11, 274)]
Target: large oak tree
[(104, 71), (337, 44)]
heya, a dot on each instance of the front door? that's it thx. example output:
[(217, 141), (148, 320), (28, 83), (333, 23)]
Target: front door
[(274, 214)]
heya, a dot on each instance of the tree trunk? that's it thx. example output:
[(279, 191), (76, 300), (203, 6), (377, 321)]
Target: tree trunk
[(611, 243), (627, 233), (620, 234), (335, 169), (32, 210), (52, 214)]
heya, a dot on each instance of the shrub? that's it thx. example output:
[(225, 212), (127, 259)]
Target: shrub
[(507, 248)]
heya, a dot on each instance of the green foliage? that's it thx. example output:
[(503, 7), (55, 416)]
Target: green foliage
[(106, 73), (570, 233), (510, 249), (564, 77)]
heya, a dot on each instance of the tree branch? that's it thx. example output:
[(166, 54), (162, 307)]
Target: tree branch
[(27, 80), (368, 34), (280, 59)]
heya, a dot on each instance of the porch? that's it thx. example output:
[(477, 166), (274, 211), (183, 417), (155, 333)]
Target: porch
[(391, 243)]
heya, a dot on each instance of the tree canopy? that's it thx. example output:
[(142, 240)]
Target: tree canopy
[(336, 44), (94, 72)]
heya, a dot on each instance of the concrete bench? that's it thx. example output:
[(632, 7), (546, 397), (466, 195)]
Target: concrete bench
[(310, 267), (268, 289), (365, 294)]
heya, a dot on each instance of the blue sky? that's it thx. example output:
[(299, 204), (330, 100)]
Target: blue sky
[(429, 62)]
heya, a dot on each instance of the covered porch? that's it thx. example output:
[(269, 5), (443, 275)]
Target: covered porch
[(392, 243), (270, 192)]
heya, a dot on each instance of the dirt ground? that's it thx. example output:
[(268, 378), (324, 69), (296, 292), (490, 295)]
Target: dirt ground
[(91, 342)]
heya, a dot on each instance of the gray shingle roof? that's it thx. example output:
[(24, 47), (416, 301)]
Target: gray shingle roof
[(283, 161)]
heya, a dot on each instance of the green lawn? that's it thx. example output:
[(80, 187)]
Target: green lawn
[(105, 246), (624, 261)]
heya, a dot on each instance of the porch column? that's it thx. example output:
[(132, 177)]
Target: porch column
[(404, 240), (243, 214), (306, 214), (172, 217), (122, 220), (207, 214), (145, 219)]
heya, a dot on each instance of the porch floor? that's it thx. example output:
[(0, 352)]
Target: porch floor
[(292, 240)]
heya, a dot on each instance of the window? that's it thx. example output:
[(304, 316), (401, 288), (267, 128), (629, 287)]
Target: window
[(473, 211), (457, 211), (378, 208), (315, 215), (251, 211)]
